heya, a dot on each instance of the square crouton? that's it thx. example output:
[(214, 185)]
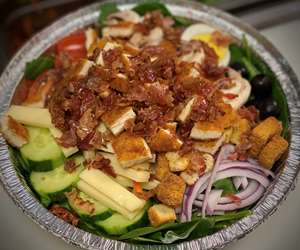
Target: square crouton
[(162, 167), (171, 190), (164, 141), (209, 146), (177, 162), (131, 150), (83, 67), (242, 126), (160, 214), (271, 152), (261, 134), (189, 177), (186, 111), (206, 130), (115, 120)]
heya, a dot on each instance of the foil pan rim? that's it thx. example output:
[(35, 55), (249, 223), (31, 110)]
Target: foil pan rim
[(14, 184)]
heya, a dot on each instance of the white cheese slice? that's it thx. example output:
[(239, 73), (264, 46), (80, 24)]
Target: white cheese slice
[(106, 201), (110, 188), (135, 175)]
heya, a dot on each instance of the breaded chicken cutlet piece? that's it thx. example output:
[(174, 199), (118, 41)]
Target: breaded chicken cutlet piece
[(131, 150), (164, 141), (262, 133), (115, 120), (171, 190), (272, 151)]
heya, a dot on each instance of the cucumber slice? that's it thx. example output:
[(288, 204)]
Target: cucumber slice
[(53, 184), (41, 153), (77, 203), (118, 224)]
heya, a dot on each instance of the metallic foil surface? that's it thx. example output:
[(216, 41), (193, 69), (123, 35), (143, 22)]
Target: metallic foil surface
[(16, 187)]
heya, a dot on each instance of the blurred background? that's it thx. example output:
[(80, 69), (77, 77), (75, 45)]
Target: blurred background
[(20, 19), (278, 20)]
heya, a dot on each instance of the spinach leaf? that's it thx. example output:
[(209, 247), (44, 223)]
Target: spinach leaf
[(153, 5), (147, 230), (38, 66), (181, 233), (105, 11), (145, 240), (226, 185)]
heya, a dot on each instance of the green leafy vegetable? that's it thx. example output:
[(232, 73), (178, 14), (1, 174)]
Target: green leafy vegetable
[(38, 66), (226, 185), (147, 6), (105, 11), (255, 65), (153, 5), (173, 232)]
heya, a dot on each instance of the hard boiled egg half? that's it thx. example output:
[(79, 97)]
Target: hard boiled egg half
[(204, 33)]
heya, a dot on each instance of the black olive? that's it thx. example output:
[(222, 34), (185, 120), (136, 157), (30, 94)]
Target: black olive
[(267, 107), (261, 85), (239, 67)]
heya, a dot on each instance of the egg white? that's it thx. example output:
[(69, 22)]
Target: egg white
[(201, 28)]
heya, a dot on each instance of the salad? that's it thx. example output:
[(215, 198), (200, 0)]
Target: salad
[(148, 127)]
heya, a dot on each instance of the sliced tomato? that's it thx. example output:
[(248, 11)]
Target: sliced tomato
[(73, 45), (234, 198)]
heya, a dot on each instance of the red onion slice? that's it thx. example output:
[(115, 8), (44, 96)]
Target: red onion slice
[(224, 152), (239, 181), (251, 188), (241, 164), (213, 200)]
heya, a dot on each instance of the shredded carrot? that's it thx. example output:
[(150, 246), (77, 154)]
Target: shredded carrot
[(137, 186)]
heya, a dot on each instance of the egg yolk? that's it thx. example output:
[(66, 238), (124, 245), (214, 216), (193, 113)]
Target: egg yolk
[(206, 37)]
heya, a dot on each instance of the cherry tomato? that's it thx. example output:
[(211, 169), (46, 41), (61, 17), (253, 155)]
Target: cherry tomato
[(73, 45)]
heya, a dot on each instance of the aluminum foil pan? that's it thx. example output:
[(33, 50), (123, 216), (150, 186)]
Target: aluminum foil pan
[(16, 187)]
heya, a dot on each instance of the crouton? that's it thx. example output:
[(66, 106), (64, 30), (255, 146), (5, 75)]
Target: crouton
[(164, 141), (189, 177), (207, 130), (83, 67), (160, 214), (176, 162), (171, 190), (14, 132), (241, 127), (209, 162), (229, 118), (271, 152), (186, 111), (115, 120), (261, 134), (209, 146), (227, 134), (131, 150), (162, 167)]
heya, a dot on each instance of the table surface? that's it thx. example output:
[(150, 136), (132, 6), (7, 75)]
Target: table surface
[(281, 231)]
